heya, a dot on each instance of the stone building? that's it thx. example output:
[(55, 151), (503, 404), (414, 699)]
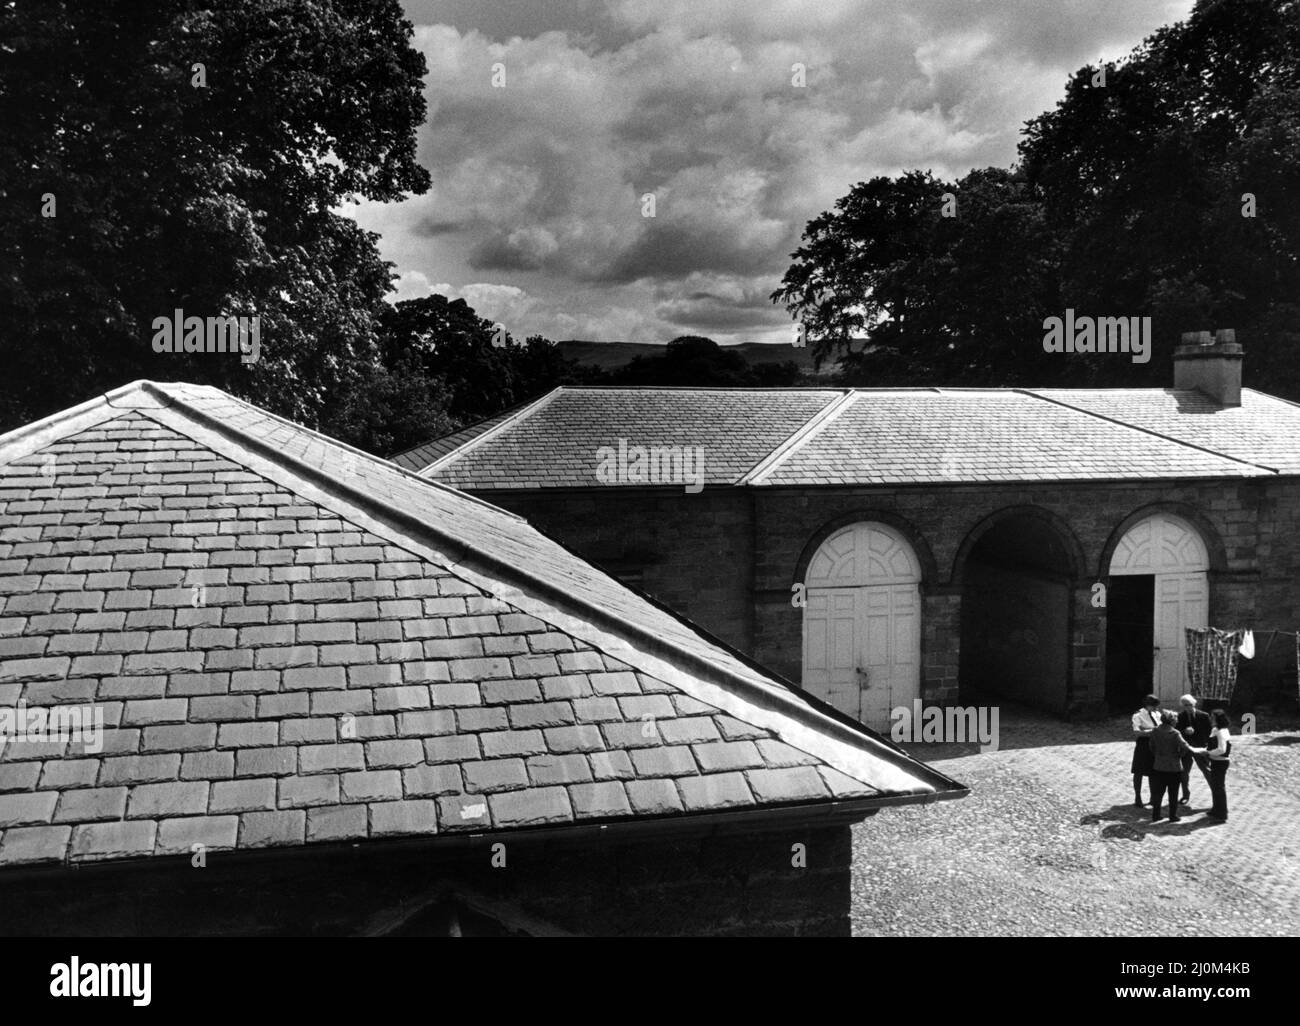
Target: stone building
[(325, 695), (886, 545)]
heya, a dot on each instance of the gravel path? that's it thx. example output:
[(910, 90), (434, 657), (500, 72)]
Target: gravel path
[(1049, 844)]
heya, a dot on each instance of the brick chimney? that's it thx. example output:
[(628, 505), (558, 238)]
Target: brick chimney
[(1210, 364)]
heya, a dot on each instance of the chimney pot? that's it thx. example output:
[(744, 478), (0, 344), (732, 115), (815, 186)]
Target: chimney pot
[(1210, 362)]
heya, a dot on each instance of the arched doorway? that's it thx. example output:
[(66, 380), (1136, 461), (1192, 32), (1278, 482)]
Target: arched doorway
[(862, 623), (1016, 582), (1159, 585)]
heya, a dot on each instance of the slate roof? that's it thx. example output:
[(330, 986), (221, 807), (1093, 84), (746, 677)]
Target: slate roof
[(293, 642), (420, 456), (554, 442), (812, 437), (1262, 429), (905, 437)]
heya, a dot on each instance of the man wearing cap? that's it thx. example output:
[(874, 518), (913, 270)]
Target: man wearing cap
[(1194, 725)]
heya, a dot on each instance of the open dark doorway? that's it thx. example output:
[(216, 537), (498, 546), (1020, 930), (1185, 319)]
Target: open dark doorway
[(1015, 615), (1130, 640)]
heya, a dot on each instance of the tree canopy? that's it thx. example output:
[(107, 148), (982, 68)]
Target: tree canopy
[(193, 155), (484, 369), (693, 360)]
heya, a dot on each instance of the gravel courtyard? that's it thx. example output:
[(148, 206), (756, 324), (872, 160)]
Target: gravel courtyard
[(1048, 843)]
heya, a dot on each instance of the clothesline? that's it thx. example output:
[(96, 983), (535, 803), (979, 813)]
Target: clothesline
[(1272, 636), (1112, 622), (1212, 657), (1271, 632)]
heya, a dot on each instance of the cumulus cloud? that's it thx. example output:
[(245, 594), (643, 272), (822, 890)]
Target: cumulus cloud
[(410, 285), (539, 185), (716, 302), (498, 303)]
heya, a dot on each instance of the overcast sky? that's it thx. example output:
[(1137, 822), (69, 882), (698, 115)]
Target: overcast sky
[(535, 215)]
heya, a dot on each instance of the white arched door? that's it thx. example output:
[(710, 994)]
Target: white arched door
[(1171, 550), (862, 623)]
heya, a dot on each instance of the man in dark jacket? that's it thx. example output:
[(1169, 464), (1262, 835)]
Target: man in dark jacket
[(1167, 748), (1194, 725)]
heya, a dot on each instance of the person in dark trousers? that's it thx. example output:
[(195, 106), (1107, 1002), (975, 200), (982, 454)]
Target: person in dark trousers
[(1194, 725), (1218, 750), (1167, 749), (1145, 721)]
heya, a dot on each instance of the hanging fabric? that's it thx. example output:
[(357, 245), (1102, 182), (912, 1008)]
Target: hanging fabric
[(1212, 661), (1247, 648)]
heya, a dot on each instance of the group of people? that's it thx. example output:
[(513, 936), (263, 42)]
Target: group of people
[(1168, 743)]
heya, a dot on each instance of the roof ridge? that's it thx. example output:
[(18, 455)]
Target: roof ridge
[(482, 437), (1148, 431), (801, 434), (1270, 395), (763, 389), (378, 461), (39, 433)]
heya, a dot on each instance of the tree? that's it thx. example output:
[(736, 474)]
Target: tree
[(918, 279), (695, 361), (388, 411), (846, 278), (193, 155), (481, 367), (1173, 185)]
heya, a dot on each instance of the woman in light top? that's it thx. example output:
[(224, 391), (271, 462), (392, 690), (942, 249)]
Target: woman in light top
[(1145, 720), (1218, 749)]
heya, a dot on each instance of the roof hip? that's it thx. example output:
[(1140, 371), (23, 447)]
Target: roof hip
[(1146, 431)]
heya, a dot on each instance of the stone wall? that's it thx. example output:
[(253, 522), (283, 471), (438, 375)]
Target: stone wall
[(693, 552), (684, 885), (726, 558)]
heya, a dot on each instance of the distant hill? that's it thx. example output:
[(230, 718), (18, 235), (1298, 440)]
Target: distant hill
[(609, 355)]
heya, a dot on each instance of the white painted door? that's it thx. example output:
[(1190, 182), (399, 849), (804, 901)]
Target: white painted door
[(1182, 600), (830, 646), (891, 652), (862, 649), (862, 623)]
